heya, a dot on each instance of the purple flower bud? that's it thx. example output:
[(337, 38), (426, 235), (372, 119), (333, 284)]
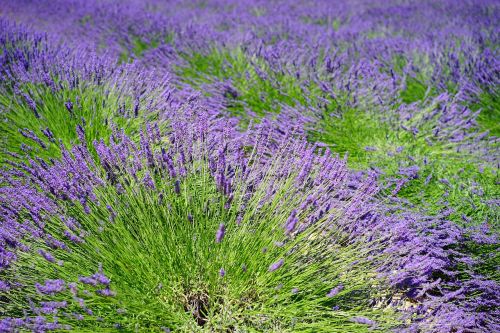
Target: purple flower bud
[(106, 292), (291, 222), (78, 316), (87, 280), (335, 291), (4, 286), (101, 278), (363, 320), (31, 103), (49, 257), (69, 106), (72, 287), (276, 265), (220, 233), (148, 181)]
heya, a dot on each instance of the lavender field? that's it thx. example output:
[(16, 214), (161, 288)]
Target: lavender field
[(244, 166)]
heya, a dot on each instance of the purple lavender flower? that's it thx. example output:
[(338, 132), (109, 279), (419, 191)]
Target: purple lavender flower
[(51, 286), (88, 280), (363, 320), (148, 181), (4, 286), (177, 186), (335, 291), (52, 307), (106, 292), (31, 103), (220, 233), (275, 266), (49, 257), (69, 106), (291, 222)]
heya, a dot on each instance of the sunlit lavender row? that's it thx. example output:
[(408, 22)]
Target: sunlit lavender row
[(249, 166)]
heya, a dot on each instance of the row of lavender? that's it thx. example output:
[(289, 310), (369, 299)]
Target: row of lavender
[(102, 127)]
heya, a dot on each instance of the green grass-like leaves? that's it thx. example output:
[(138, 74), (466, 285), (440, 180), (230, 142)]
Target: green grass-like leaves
[(489, 116)]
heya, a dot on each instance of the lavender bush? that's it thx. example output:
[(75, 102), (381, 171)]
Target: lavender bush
[(249, 166)]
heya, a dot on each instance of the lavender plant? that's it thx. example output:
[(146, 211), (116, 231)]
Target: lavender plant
[(43, 97), (189, 232)]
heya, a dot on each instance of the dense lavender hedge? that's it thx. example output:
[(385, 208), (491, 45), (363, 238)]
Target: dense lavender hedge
[(248, 166)]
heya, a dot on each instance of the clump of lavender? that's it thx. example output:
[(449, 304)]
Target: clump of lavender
[(46, 91), (155, 235)]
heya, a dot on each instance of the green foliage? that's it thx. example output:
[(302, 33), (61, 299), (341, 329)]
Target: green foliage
[(86, 19), (489, 117), (140, 46), (489, 257), (257, 89), (351, 133), (372, 142), (415, 91)]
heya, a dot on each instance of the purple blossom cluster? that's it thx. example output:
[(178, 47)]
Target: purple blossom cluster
[(346, 49)]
